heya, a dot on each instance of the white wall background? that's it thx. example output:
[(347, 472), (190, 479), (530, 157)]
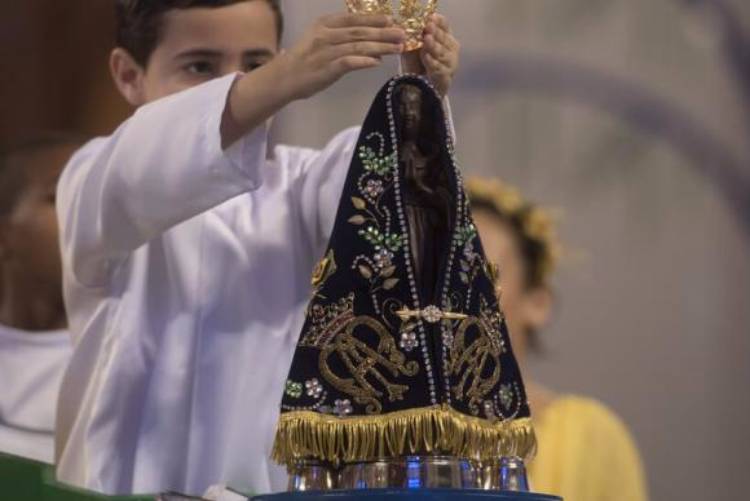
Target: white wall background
[(654, 299)]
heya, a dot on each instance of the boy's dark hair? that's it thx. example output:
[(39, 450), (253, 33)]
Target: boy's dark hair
[(14, 174), (139, 22)]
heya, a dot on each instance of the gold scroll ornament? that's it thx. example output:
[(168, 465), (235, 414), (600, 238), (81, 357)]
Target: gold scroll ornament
[(412, 15)]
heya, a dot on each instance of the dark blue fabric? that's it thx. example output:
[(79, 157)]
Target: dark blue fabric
[(352, 321)]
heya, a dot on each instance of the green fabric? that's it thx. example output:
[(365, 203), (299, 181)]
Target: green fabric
[(26, 480)]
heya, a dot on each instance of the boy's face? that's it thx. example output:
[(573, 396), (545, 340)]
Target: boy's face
[(200, 44), (30, 235)]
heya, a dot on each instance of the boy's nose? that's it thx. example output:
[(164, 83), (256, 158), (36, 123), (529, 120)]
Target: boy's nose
[(232, 64)]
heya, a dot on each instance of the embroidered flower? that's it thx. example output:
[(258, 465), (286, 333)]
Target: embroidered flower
[(409, 340), (380, 240), (489, 409), (314, 388), (323, 270), (379, 165), (383, 258), (432, 314), (374, 188), (466, 234), (469, 253), (506, 396), (293, 389), (342, 408)]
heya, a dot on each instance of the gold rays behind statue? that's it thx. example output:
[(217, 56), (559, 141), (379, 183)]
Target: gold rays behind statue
[(412, 15)]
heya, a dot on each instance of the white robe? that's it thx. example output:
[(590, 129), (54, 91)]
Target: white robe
[(186, 273), (31, 368)]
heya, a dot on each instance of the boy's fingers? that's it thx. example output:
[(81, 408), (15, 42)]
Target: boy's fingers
[(433, 65), (353, 63), (439, 51), (368, 49), (357, 20), (441, 21), (363, 34), (435, 49), (443, 36)]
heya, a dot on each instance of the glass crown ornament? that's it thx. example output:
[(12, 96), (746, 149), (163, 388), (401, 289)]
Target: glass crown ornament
[(412, 15)]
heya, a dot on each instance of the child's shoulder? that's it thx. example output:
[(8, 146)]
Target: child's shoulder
[(85, 153)]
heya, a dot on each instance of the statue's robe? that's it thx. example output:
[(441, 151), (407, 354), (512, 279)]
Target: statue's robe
[(404, 349)]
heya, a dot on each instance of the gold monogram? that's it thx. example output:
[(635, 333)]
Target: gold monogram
[(366, 365), (412, 16), (474, 362)]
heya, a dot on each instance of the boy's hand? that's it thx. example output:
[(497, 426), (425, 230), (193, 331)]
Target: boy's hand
[(438, 58), (337, 45)]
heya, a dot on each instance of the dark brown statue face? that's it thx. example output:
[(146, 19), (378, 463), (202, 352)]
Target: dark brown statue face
[(410, 109)]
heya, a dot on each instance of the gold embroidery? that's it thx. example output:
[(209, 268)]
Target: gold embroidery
[(323, 270), (492, 270), (366, 365), (327, 321), (472, 362)]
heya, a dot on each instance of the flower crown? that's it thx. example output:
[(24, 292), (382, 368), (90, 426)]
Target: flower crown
[(535, 223)]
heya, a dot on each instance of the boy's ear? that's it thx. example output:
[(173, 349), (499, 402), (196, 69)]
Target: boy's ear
[(128, 76)]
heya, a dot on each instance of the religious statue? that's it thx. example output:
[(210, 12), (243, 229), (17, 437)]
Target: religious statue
[(404, 363), (427, 196)]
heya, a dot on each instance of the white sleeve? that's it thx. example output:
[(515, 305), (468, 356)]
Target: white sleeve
[(320, 186), (161, 167)]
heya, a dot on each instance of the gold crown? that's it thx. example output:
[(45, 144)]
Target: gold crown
[(412, 15)]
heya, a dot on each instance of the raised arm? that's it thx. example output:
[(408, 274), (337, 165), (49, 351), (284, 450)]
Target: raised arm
[(334, 46), (163, 166), (185, 154)]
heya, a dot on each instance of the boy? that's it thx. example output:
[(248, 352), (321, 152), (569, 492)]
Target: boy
[(187, 254), (34, 343)]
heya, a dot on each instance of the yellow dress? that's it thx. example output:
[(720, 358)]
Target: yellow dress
[(585, 454)]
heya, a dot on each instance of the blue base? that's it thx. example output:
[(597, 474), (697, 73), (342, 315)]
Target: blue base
[(407, 495)]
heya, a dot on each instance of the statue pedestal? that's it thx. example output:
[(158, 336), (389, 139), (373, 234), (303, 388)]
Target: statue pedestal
[(407, 495)]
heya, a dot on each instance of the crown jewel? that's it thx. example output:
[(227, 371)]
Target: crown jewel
[(412, 15)]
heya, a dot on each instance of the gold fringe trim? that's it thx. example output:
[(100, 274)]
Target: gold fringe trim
[(439, 429)]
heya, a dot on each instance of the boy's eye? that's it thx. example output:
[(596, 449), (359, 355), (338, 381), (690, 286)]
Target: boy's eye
[(201, 68), (252, 65)]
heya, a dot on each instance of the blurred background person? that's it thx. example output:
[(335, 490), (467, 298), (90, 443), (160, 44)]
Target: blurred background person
[(585, 451), (34, 344)]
